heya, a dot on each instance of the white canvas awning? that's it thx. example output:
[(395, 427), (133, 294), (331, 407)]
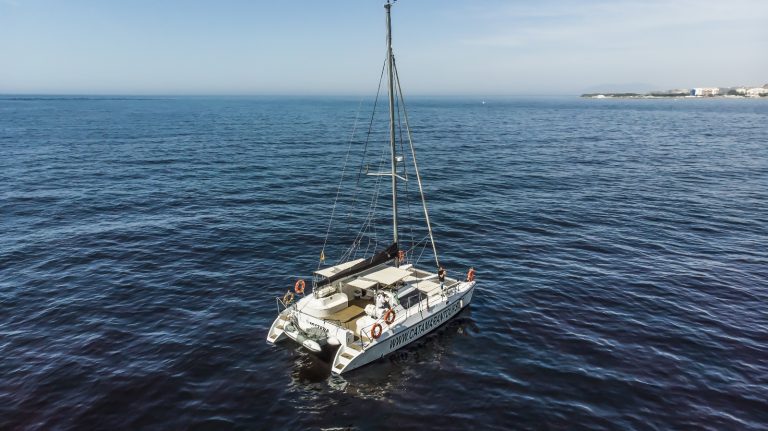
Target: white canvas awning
[(331, 270), (388, 276), (362, 283)]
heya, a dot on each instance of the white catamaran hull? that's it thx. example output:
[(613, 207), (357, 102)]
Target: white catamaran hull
[(409, 331), (410, 325)]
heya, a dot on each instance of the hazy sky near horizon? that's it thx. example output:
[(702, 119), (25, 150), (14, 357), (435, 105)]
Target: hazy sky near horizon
[(443, 47)]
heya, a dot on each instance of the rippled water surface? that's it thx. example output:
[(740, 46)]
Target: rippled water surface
[(620, 247)]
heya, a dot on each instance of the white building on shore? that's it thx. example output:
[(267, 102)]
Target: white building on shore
[(705, 91), (756, 91)]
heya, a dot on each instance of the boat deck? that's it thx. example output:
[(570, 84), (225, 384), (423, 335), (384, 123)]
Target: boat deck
[(349, 315), (426, 287)]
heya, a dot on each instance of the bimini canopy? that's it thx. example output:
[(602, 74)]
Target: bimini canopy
[(360, 266), (384, 277), (387, 276)]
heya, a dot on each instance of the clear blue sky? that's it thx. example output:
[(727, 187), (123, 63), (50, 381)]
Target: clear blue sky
[(479, 47)]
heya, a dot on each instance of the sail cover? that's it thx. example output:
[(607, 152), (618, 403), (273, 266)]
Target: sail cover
[(331, 270), (376, 259)]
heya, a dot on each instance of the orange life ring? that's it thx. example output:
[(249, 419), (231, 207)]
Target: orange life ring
[(389, 316), (287, 298), (401, 256), (471, 274), (299, 287), (376, 331)]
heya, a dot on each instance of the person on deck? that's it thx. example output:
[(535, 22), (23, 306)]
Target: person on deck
[(382, 302), (441, 277)]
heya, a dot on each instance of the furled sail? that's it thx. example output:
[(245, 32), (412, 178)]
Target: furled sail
[(376, 259)]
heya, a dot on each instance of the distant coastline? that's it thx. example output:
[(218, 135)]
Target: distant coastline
[(741, 92)]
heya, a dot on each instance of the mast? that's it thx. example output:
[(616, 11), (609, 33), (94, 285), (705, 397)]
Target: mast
[(390, 60)]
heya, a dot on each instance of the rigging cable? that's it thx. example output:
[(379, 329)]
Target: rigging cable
[(416, 168), (365, 146), (366, 224), (365, 149), (369, 226), (399, 105), (341, 181)]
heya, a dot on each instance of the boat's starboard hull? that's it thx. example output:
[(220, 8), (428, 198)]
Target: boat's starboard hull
[(404, 334)]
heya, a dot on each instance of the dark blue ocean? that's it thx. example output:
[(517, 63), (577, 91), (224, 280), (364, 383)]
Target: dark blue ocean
[(620, 247)]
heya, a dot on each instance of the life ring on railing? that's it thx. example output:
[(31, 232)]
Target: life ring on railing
[(471, 274), (376, 331), (389, 316), (287, 298), (401, 256), (299, 287)]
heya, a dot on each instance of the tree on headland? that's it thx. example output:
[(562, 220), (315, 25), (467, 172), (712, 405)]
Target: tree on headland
[(612, 94), (671, 93)]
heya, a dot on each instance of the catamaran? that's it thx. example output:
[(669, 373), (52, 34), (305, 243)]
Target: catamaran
[(365, 308)]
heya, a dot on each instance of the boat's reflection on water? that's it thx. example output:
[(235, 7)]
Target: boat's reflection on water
[(378, 379)]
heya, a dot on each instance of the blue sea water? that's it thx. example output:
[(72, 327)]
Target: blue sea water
[(620, 247)]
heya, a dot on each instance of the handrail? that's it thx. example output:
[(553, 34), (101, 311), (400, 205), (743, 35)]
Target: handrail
[(365, 330), (279, 301), (454, 286), (421, 303)]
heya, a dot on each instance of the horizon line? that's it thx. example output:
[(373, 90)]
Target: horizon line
[(56, 94)]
